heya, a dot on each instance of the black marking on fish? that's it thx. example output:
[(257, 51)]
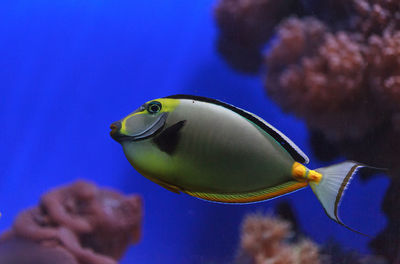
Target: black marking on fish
[(168, 139), (257, 121)]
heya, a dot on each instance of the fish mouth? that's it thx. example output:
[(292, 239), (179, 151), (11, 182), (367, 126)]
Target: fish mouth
[(148, 132)]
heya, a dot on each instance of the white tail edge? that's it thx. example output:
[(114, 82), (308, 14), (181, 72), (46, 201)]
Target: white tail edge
[(330, 190)]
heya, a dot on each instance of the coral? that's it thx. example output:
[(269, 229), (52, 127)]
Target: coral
[(336, 65), (264, 239), (324, 81), (384, 60), (33, 253), (81, 221), (356, 106), (321, 79), (271, 239), (337, 69), (375, 16)]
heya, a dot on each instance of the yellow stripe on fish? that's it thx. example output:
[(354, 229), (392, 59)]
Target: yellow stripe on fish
[(302, 173), (250, 197), (168, 105)]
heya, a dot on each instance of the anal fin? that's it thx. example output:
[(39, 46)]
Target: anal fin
[(250, 197), (169, 187)]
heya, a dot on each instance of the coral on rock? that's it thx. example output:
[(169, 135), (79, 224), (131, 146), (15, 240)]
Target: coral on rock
[(376, 16), (321, 79), (78, 223)]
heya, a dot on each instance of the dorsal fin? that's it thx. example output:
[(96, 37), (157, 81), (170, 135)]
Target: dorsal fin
[(283, 140)]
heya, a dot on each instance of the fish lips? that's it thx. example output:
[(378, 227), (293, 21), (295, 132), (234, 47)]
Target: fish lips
[(148, 132)]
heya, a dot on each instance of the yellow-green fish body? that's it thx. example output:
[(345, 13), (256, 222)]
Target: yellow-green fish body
[(215, 151)]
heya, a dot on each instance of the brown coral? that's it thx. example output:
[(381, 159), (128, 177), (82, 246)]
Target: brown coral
[(264, 239), (384, 60), (271, 239), (337, 69), (320, 78), (375, 16), (21, 251), (91, 224)]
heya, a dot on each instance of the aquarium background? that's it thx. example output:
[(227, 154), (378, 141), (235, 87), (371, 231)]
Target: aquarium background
[(68, 69)]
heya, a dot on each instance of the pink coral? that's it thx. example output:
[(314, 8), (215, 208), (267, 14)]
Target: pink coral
[(20, 251), (384, 61), (321, 78), (374, 16), (91, 224)]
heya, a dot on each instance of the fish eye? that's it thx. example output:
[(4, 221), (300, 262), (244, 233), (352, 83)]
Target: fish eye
[(154, 107)]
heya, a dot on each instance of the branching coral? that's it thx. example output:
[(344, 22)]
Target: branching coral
[(264, 239), (83, 222), (321, 79), (335, 64), (270, 239), (376, 16)]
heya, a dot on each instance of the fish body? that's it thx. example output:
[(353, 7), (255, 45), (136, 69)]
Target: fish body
[(215, 151)]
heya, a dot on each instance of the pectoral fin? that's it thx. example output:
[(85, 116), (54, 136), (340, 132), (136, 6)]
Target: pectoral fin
[(167, 141)]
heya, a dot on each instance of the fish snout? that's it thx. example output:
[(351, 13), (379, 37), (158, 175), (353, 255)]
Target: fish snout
[(115, 127), (115, 132)]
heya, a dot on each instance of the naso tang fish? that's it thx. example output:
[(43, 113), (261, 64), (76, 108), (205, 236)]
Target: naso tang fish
[(218, 152)]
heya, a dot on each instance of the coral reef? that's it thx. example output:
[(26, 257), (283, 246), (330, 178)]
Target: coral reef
[(271, 239), (336, 65), (79, 223), (321, 79), (264, 239)]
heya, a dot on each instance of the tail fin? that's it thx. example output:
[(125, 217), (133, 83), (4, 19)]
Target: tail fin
[(331, 188)]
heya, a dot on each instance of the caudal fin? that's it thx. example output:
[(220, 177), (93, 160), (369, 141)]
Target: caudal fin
[(331, 188)]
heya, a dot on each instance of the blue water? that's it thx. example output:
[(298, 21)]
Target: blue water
[(70, 68)]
